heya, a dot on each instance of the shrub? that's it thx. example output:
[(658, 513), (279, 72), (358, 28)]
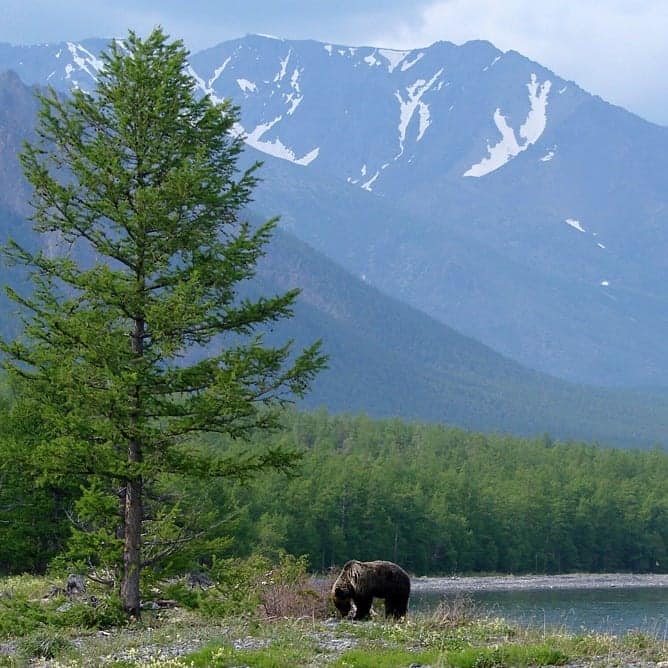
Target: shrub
[(237, 588), (455, 612), (289, 591), (44, 644), (185, 596), (19, 616), (100, 614)]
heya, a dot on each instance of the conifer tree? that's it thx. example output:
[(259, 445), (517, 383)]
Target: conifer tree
[(135, 337)]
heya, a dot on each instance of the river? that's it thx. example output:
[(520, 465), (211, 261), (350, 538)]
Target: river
[(612, 603)]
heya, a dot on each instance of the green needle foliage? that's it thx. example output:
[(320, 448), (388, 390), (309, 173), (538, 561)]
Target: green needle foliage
[(135, 337)]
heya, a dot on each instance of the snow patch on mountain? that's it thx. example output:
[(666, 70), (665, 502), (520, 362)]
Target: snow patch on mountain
[(295, 97), (425, 119), (83, 58), (484, 69), (284, 67), (393, 57), (534, 125), (218, 71), (531, 130), (407, 64), (294, 101), (274, 147), (202, 85), (408, 106), (247, 86), (370, 182), (294, 80), (575, 224), (501, 152)]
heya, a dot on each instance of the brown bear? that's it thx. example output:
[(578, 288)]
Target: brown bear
[(361, 581)]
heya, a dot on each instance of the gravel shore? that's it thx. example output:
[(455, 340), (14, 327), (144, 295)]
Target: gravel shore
[(519, 582)]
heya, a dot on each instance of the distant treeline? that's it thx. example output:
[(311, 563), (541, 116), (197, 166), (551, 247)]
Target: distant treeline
[(440, 500), (436, 500)]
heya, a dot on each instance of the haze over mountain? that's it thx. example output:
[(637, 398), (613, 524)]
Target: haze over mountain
[(505, 201), (473, 184)]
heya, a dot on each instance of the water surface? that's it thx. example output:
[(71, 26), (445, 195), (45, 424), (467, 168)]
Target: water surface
[(613, 609)]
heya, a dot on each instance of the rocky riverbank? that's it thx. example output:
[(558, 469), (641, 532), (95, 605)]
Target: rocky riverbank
[(527, 582)]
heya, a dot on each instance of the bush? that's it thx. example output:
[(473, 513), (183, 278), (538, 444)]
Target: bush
[(238, 587), (100, 614), (454, 612), (290, 591), (44, 644), (185, 596), (254, 586), (19, 616)]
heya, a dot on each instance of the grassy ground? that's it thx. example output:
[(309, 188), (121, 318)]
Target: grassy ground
[(41, 630)]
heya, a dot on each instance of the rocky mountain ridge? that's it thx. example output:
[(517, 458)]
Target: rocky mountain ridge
[(473, 184)]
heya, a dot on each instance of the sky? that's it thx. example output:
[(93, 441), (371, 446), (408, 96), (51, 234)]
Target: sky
[(617, 49)]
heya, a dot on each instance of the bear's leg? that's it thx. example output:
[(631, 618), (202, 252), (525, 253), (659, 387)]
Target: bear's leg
[(396, 608), (389, 608), (363, 607)]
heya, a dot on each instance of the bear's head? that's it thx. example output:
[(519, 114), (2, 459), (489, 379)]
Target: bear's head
[(342, 600)]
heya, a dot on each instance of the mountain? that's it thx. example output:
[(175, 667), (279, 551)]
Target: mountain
[(386, 358), (484, 190), (474, 184), (389, 359), (18, 110)]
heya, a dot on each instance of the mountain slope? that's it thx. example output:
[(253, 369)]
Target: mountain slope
[(386, 358), (475, 184), (525, 212)]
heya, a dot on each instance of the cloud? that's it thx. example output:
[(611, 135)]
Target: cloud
[(615, 48)]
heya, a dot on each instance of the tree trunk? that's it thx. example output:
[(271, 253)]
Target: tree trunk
[(134, 509), (132, 543)]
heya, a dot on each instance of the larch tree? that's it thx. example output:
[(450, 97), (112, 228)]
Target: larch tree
[(135, 336)]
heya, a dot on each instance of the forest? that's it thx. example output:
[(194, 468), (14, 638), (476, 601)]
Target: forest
[(148, 428), (435, 499)]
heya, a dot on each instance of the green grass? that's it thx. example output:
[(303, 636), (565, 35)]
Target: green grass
[(44, 644), (458, 637), (272, 657), (509, 656), (385, 658)]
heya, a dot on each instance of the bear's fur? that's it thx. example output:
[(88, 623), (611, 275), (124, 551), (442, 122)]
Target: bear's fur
[(361, 581)]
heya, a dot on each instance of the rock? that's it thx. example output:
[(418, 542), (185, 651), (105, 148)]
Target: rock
[(199, 580), (76, 584)]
